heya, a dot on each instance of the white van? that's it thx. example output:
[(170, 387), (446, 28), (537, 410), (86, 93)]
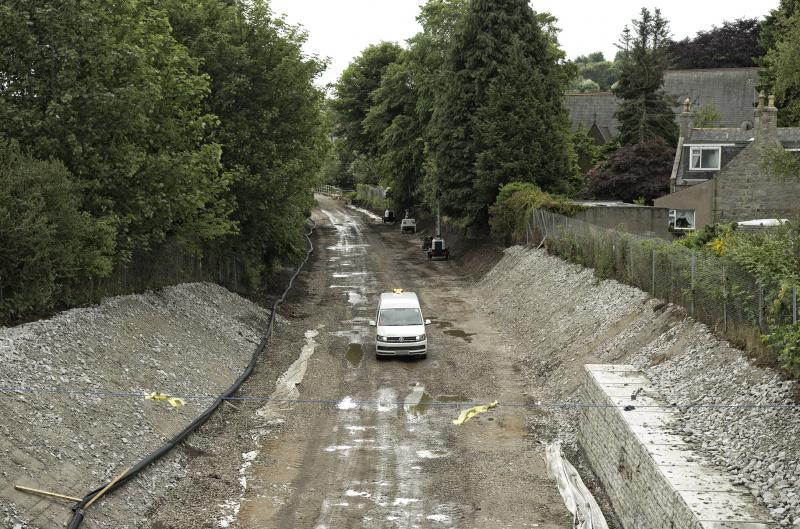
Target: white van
[(400, 326)]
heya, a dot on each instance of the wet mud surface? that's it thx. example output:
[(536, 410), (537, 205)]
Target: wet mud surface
[(332, 438)]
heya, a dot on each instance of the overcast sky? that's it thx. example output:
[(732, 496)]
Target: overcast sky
[(340, 29)]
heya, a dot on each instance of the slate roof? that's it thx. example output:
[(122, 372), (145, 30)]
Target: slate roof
[(599, 107), (731, 90), (787, 135)]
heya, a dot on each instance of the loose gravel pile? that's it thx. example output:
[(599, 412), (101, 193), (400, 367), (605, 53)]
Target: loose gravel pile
[(563, 317), (74, 415)]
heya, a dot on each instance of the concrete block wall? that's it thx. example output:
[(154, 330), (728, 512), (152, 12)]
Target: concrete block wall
[(653, 479)]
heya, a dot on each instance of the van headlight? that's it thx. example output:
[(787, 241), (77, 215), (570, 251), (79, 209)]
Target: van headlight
[(421, 337), (382, 338)]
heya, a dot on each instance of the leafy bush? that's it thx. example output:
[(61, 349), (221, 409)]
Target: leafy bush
[(773, 256), (509, 214), (785, 341), (47, 241)]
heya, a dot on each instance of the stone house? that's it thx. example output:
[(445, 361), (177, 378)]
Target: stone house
[(720, 174)]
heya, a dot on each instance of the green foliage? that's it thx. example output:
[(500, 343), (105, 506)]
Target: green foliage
[(782, 164), (354, 96), (189, 126), (582, 86), (772, 256), (595, 68), (785, 341), (706, 117), (104, 87), (587, 151), (271, 122), (47, 240), (780, 33), (503, 86), (403, 104), (509, 215), (645, 113)]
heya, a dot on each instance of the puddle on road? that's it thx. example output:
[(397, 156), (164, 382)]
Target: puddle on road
[(458, 333), (343, 275), (441, 323), (354, 354), (354, 298), (451, 398), (419, 402)]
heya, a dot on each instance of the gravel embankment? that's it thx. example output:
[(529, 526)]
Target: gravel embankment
[(73, 411), (563, 317)]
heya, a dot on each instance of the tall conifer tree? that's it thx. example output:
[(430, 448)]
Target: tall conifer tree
[(645, 113), (485, 95)]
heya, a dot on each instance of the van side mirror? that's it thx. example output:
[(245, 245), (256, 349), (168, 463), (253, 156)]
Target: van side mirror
[(372, 323), (427, 322)]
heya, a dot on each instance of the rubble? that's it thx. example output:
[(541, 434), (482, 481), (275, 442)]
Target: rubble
[(563, 317)]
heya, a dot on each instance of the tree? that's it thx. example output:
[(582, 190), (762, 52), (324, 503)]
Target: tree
[(595, 67), (645, 113), (706, 117), (403, 104), (780, 36), (491, 38), (354, 95), (47, 240), (104, 87), (733, 45), (635, 171), (270, 120)]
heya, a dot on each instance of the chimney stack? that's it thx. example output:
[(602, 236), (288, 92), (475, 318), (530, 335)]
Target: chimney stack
[(766, 129), (685, 119)]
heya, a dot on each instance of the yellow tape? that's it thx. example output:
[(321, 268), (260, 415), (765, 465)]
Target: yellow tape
[(472, 412), (175, 402)]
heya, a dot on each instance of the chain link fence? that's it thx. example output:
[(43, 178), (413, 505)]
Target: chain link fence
[(717, 292)]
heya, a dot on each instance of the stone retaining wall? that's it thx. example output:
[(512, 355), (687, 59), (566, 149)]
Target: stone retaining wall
[(653, 479)]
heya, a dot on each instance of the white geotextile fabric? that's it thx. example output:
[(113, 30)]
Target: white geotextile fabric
[(579, 501)]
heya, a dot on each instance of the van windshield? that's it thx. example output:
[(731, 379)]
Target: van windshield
[(399, 317)]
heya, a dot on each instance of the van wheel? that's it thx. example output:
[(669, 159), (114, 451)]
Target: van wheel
[(423, 356)]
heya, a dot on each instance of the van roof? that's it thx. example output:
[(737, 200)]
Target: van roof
[(398, 301)]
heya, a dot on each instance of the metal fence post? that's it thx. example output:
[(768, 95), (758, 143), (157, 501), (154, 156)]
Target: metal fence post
[(724, 299), (760, 305), (694, 271), (654, 272), (794, 305)]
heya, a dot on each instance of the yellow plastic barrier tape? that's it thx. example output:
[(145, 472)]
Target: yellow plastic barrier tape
[(472, 412), (175, 402)]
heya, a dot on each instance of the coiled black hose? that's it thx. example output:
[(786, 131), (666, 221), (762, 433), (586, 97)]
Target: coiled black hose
[(79, 511)]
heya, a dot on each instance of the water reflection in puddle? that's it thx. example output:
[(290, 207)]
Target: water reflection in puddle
[(458, 333), (419, 401), (354, 354), (354, 298)]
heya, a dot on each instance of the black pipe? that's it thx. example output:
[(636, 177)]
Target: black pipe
[(78, 509)]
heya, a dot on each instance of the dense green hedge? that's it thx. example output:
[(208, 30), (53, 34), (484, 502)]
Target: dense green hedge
[(509, 215)]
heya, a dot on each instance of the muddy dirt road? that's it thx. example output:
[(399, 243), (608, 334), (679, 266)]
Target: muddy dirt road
[(356, 442)]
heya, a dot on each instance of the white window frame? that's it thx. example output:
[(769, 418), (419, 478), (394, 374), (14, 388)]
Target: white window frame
[(699, 149), (673, 219)]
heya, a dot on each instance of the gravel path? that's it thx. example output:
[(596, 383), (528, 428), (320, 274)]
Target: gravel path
[(63, 431), (563, 317)]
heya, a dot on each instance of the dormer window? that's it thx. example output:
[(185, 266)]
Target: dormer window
[(706, 158)]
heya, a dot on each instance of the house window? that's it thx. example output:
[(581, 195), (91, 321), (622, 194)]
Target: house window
[(681, 219), (706, 158)]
